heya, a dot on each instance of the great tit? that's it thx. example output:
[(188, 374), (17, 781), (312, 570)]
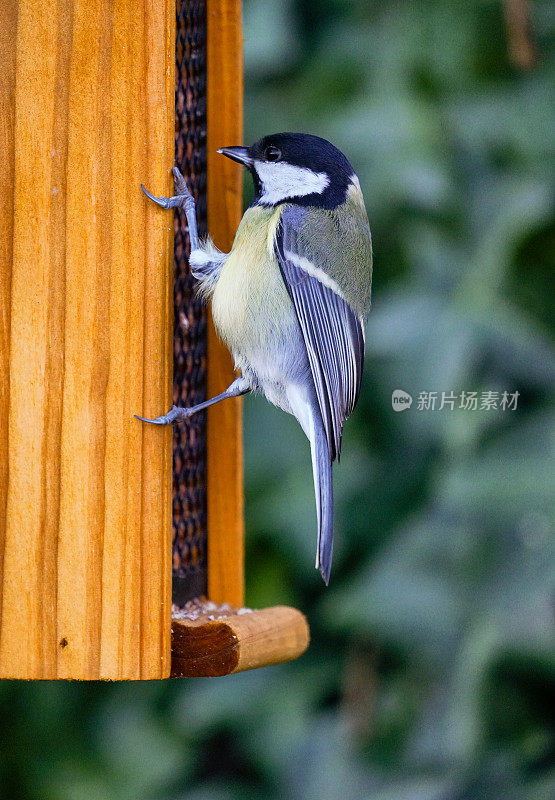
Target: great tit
[(291, 298)]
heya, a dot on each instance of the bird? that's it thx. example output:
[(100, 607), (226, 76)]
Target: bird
[(292, 297)]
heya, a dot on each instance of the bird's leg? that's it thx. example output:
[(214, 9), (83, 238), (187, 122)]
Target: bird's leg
[(185, 200), (238, 387), (181, 199)]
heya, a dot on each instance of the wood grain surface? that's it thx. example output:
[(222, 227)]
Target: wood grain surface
[(86, 114), (213, 647), (225, 181)]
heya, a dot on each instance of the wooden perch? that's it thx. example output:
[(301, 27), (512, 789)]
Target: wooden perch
[(218, 644)]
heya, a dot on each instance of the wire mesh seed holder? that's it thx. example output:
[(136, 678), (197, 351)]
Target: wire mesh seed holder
[(189, 519), (113, 565)]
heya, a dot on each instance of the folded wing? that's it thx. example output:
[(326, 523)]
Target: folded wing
[(332, 332)]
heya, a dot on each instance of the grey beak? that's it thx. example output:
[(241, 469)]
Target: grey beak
[(239, 154)]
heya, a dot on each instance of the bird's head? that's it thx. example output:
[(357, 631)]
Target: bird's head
[(295, 167)]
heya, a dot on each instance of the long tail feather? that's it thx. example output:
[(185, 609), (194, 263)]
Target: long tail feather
[(323, 488)]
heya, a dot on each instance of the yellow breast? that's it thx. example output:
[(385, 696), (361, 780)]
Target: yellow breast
[(250, 302)]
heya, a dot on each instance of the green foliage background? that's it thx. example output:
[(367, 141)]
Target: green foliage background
[(431, 670)]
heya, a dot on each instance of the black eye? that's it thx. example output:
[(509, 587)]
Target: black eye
[(272, 153)]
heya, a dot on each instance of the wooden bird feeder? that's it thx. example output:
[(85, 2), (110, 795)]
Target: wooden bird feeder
[(96, 98)]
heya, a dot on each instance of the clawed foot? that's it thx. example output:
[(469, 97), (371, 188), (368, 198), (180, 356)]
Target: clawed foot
[(175, 415), (239, 386), (182, 197)]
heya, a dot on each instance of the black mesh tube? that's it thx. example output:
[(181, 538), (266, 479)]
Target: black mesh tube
[(189, 375)]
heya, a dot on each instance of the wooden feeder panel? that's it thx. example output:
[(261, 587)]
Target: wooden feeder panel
[(87, 110)]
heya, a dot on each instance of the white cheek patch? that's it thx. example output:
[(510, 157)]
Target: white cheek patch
[(281, 180)]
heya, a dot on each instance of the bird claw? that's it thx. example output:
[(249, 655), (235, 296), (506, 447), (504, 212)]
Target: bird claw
[(161, 201), (182, 197), (181, 188), (176, 414)]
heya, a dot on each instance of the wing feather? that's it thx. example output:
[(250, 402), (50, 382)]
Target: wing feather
[(332, 332)]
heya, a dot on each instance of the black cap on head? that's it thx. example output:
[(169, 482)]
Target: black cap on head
[(302, 150), (298, 150)]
